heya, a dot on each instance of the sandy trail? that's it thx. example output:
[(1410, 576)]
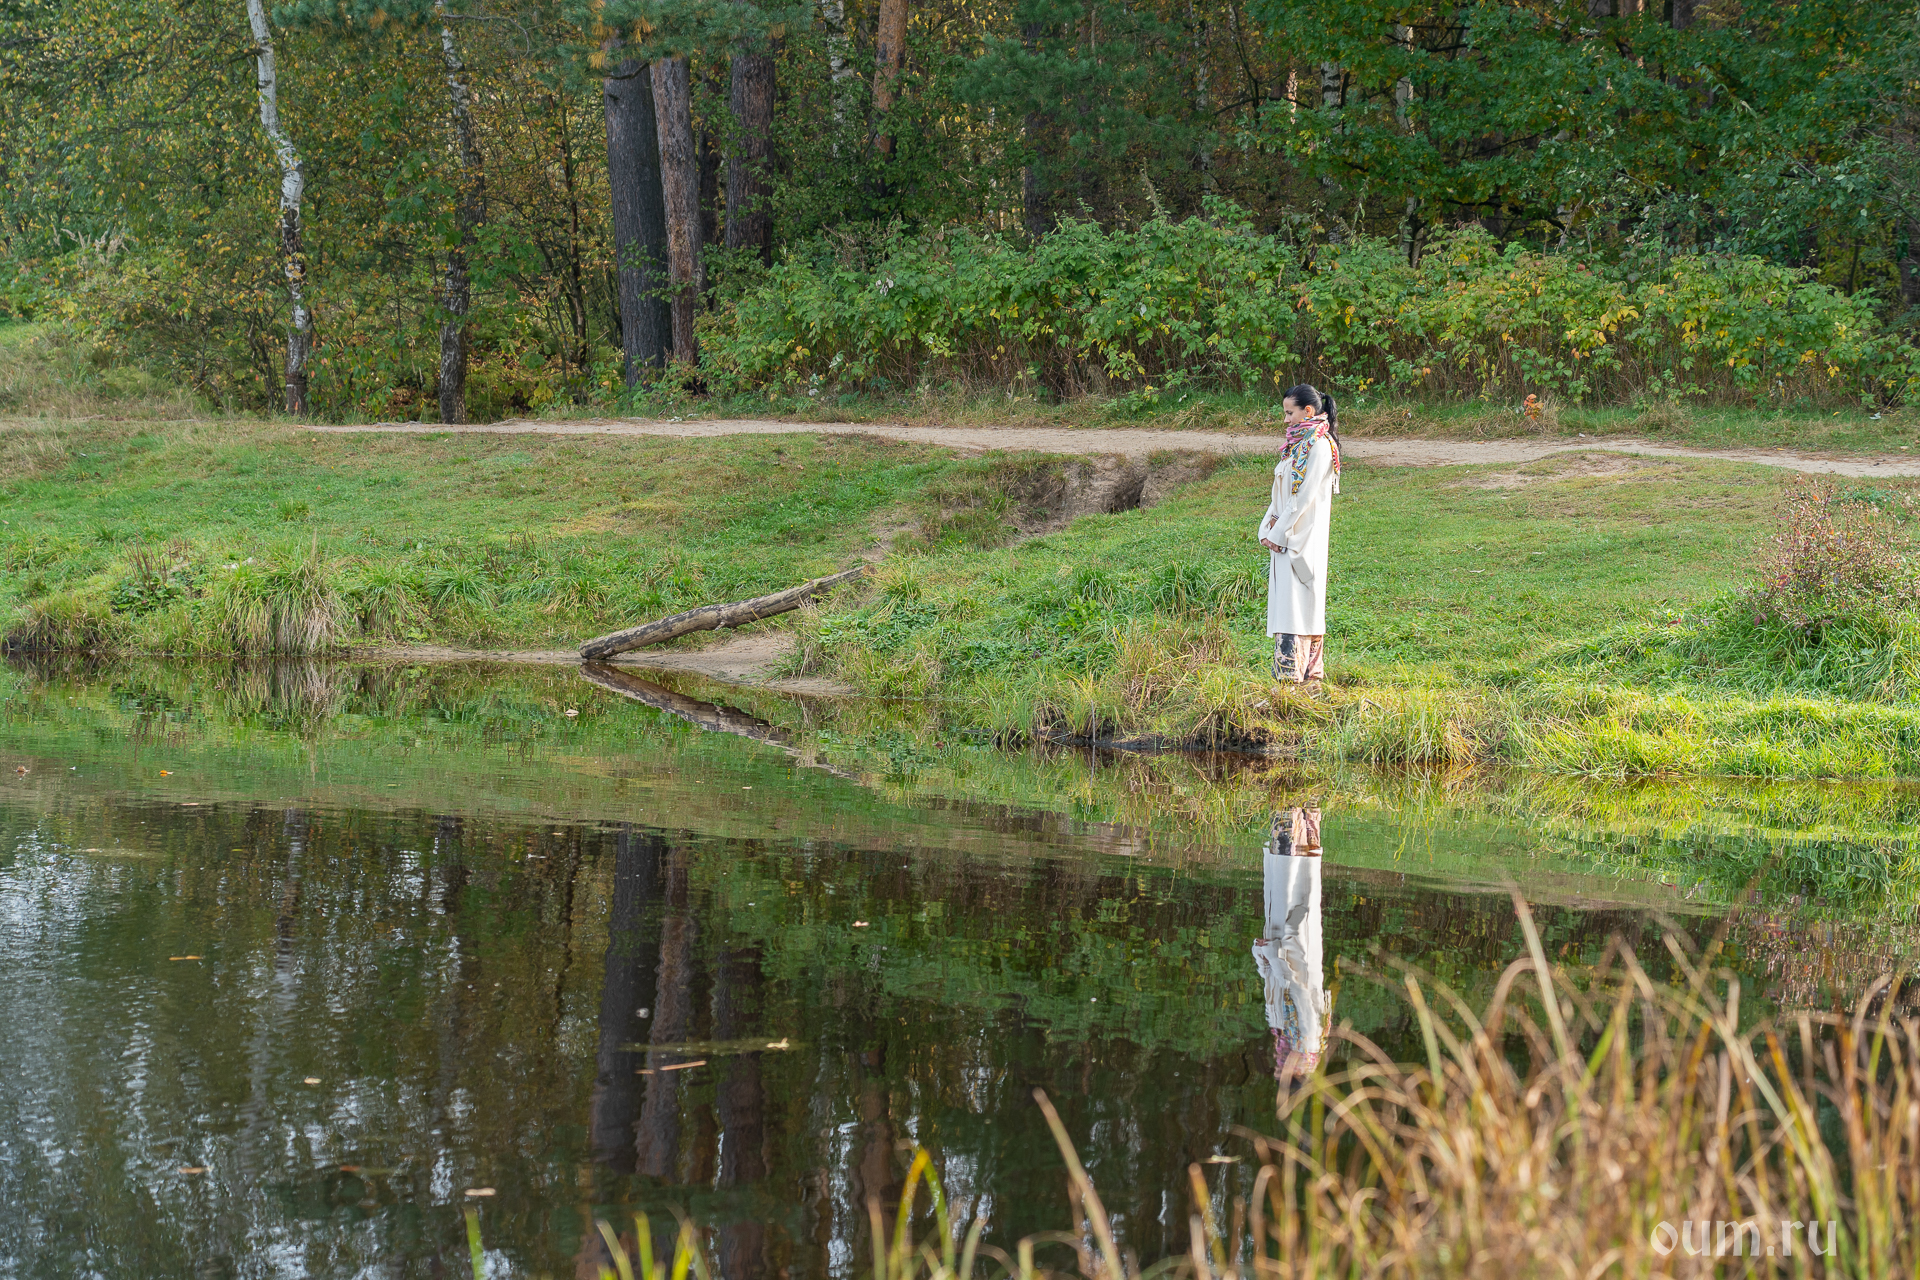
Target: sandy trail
[(1140, 443)]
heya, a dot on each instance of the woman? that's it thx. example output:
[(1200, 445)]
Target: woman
[(1294, 532), (1288, 950)]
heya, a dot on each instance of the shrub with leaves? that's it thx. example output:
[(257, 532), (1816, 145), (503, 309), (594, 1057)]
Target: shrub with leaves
[(1213, 301)]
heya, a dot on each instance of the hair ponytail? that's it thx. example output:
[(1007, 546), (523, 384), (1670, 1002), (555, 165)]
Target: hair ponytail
[(1308, 396)]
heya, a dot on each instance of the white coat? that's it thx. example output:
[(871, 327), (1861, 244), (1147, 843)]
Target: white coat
[(1288, 954), (1299, 518)]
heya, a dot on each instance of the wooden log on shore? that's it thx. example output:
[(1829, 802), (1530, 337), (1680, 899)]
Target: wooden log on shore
[(711, 617)]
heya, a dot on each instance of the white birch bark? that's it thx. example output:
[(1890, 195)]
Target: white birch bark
[(293, 185)]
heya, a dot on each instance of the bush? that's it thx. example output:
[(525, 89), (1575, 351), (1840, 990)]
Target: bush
[(1216, 302)]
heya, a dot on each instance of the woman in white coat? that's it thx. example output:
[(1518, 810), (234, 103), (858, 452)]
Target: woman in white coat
[(1288, 950), (1294, 532)]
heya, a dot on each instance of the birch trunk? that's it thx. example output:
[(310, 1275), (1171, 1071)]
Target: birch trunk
[(639, 218), (469, 212), (750, 158), (680, 193), (293, 185), (889, 53), (835, 14)]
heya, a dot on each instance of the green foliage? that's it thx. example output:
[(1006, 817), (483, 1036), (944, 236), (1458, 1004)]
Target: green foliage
[(1212, 302), (1738, 193)]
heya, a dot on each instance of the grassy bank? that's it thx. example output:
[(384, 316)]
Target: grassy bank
[(239, 536), (1462, 629), (1560, 614)]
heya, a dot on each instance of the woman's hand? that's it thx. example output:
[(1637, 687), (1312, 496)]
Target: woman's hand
[(1273, 547)]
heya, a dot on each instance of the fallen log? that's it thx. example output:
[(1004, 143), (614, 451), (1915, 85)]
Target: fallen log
[(711, 617)]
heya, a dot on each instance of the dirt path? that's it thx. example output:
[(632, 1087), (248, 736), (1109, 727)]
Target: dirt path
[(1140, 443)]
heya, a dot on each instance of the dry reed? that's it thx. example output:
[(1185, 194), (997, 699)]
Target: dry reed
[(1572, 1128)]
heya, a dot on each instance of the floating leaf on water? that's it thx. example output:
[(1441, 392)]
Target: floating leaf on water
[(194, 1168), (186, 957), (479, 1191), (312, 1080)]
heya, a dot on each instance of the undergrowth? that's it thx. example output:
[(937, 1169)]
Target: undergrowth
[(1172, 307)]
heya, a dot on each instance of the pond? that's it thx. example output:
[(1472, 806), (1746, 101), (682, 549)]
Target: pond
[(294, 960)]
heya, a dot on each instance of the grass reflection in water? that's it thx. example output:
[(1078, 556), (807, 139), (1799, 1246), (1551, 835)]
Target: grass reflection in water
[(476, 966)]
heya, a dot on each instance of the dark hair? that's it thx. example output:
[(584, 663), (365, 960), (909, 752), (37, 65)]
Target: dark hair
[(1310, 397)]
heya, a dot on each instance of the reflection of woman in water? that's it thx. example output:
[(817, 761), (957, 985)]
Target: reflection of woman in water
[(1288, 950)]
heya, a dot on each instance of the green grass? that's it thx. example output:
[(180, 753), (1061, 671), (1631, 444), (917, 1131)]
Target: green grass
[(1467, 606), (190, 534), (1458, 595)]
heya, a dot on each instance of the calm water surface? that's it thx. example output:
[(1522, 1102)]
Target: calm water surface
[(289, 963)]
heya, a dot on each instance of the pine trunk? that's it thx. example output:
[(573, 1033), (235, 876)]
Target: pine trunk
[(293, 185), (889, 54), (680, 193), (639, 217), (1910, 267), (750, 159), (469, 212), (1036, 209)]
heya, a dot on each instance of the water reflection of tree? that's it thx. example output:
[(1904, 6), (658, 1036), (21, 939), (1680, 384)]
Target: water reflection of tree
[(973, 982)]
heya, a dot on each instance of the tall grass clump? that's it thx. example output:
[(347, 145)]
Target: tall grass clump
[(1834, 608), (63, 622), (286, 603), (1555, 1131)]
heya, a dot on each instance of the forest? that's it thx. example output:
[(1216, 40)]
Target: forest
[(461, 210)]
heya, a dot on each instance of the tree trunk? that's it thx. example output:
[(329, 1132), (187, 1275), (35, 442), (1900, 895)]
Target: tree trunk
[(834, 13), (889, 53), (1036, 209), (713, 617), (626, 997), (470, 210), (1682, 14), (639, 217), (1910, 267), (293, 186), (750, 158), (680, 193)]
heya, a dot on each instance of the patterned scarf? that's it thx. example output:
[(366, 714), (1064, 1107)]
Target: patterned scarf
[(1300, 438)]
